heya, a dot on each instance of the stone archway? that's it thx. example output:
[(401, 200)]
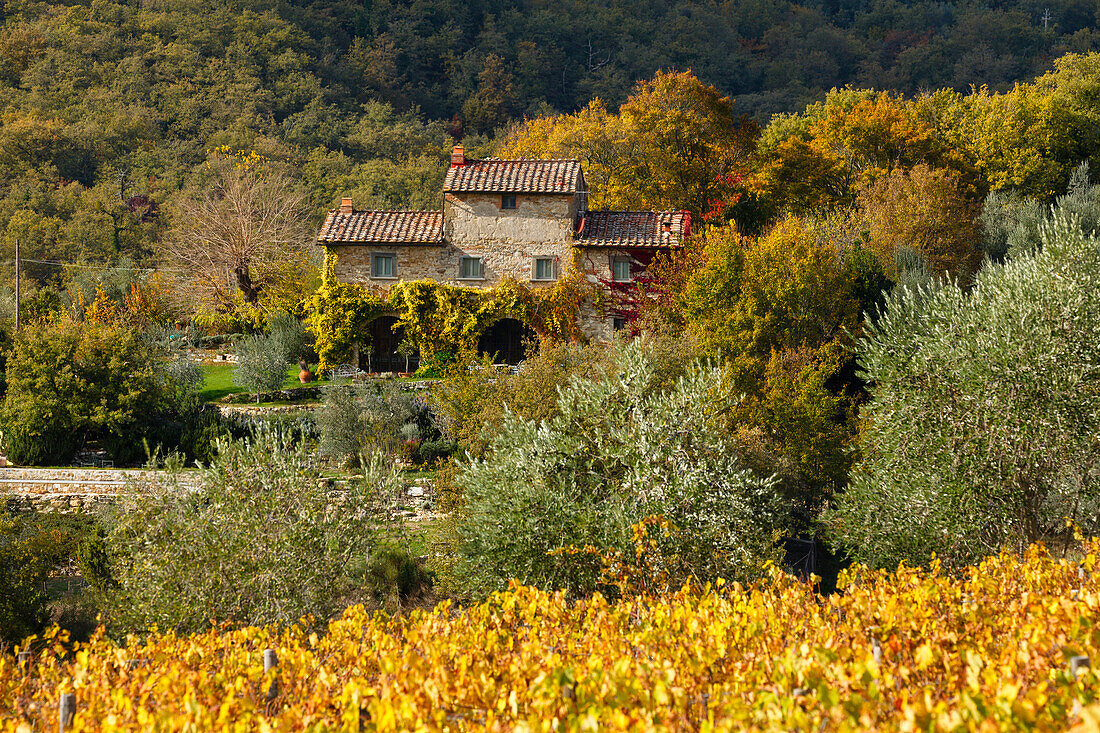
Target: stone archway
[(506, 341), (382, 355)]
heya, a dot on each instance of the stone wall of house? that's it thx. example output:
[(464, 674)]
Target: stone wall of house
[(508, 240), (594, 321), (442, 262), (472, 219)]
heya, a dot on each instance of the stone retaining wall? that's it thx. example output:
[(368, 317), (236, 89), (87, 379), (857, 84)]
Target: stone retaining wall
[(66, 490), (69, 490)]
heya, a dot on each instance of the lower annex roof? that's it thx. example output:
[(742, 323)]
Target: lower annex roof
[(633, 229), (391, 227)]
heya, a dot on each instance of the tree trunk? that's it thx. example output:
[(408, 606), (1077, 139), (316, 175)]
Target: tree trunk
[(244, 282)]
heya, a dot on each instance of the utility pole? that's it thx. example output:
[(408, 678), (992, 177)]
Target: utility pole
[(17, 283), (1046, 19)]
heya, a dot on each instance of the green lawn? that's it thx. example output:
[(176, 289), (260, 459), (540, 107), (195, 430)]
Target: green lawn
[(219, 381)]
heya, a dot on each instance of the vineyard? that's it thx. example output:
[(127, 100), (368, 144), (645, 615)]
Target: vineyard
[(1006, 645)]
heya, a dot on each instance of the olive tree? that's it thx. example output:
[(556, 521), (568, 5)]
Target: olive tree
[(262, 364), (257, 537), (619, 448), (983, 430)]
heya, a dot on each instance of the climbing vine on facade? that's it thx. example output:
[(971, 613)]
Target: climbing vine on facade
[(438, 317)]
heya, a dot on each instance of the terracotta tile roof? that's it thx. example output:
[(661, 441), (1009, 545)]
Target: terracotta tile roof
[(513, 176), (633, 229), (406, 227)]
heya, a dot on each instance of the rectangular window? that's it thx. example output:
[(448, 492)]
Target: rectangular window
[(620, 269), (383, 264), (471, 268), (508, 201), (618, 324), (544, 268)]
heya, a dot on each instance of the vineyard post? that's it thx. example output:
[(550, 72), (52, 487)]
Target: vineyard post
[(271, 661), (24, 661), (66, 709)]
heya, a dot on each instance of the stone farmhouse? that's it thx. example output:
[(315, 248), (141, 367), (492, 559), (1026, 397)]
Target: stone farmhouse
[(523, 219)]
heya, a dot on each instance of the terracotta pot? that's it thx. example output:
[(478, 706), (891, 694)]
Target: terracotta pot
[(305, 376)]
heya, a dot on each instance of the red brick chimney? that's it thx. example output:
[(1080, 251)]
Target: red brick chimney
[(345, 206), (458, 156)]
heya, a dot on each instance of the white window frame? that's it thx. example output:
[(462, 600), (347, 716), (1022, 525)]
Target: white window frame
[(535, 269), (374, 269), (615, 260), (462, 268)]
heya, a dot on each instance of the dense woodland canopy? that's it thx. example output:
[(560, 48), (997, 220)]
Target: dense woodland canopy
[(110, 109)]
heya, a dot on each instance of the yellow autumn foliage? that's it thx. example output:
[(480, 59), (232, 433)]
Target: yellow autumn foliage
[(906, 650)]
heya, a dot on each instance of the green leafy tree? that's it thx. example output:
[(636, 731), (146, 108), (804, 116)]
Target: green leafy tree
[(676, 143), (491, 106), (804, 424), (785, 290), (921, 209), (70, 382)]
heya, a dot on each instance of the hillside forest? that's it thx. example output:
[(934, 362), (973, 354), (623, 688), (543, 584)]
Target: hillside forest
[(113, 110)]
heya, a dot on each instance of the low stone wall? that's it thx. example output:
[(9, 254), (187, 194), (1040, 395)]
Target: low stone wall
[(69, 490), (258, 410), (66, 490)]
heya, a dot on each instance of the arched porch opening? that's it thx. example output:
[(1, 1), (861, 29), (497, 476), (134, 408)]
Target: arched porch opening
[(383, 352), (506, 341)]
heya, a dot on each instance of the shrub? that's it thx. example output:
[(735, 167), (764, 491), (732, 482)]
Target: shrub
[(30, 443), (395, 577), (379, 415), (617, 450), (340, 423), (32, 545), (23, 603), (981, 431), (433, 451), (471, 401), (261, 538), (71, 382), (393, 415), (435, 365), (184, 381), (193, 434)]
